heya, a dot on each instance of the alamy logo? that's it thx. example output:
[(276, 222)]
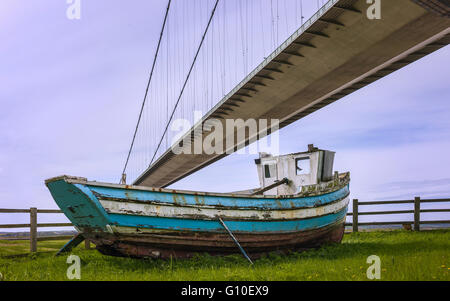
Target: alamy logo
[(374, 270), (74, 270), (73, 12), (219, 137), (374, 10)]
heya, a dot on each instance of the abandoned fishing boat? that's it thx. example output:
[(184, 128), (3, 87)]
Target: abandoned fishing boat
[(301, 204)]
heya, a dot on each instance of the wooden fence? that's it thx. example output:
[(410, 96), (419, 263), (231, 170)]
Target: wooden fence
[(33, 225), (416, 211)]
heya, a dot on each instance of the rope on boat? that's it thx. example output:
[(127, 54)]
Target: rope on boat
[(235, 240)]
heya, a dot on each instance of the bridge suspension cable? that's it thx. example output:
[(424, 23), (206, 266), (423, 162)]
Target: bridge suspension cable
[(186, 80), (123, 178), (237, 40)]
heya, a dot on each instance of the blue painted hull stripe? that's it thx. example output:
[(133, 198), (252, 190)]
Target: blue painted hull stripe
[(235, 226), (226, 201)]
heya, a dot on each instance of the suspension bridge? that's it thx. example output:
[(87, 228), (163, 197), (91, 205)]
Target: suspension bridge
[(307, 63)]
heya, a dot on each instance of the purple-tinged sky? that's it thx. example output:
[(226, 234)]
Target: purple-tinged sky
[(70, 93)]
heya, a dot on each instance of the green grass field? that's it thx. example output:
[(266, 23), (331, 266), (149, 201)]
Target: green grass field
[(404, 256)]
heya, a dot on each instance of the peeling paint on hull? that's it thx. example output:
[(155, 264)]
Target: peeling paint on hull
[(143, 222), (126, 208), (186, 245)]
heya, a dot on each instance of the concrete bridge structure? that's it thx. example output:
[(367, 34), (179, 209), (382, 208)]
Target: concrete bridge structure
[(338, 51)]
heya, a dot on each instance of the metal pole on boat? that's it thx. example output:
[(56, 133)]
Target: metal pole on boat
[(123, 180), (75, 241), (235, 240), (276, 184)]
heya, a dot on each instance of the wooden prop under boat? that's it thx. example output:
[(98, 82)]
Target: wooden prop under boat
[(123, 220)]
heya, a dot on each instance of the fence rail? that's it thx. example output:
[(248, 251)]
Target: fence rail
[(416, 211), (33, 225)]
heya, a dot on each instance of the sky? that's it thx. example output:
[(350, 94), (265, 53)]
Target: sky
[(71, 90)]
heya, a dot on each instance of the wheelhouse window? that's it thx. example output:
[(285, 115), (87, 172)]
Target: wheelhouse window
[(269, 171), (302, 166)]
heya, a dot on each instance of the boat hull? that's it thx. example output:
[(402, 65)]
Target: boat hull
[(144, 222), (187, 244)]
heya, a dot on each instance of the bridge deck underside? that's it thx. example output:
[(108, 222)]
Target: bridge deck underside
[(341, 52)]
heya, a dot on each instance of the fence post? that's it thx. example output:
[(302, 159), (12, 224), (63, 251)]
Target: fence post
[(87, 244), (417, 213), (355, 215), (33, 230)]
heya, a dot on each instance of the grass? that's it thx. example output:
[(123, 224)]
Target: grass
[(404, 256), (22, 247)]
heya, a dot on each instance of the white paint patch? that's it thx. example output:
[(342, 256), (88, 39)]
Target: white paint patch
[(152, 210)]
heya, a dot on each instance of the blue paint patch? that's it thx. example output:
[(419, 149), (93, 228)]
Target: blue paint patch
[(162, 223), (226, 201), (79, 205)]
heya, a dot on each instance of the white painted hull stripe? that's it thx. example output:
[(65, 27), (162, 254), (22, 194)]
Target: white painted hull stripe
[(152, 210)]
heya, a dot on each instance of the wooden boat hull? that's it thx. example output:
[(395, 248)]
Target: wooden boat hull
[(185, 245), (144, 222)]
